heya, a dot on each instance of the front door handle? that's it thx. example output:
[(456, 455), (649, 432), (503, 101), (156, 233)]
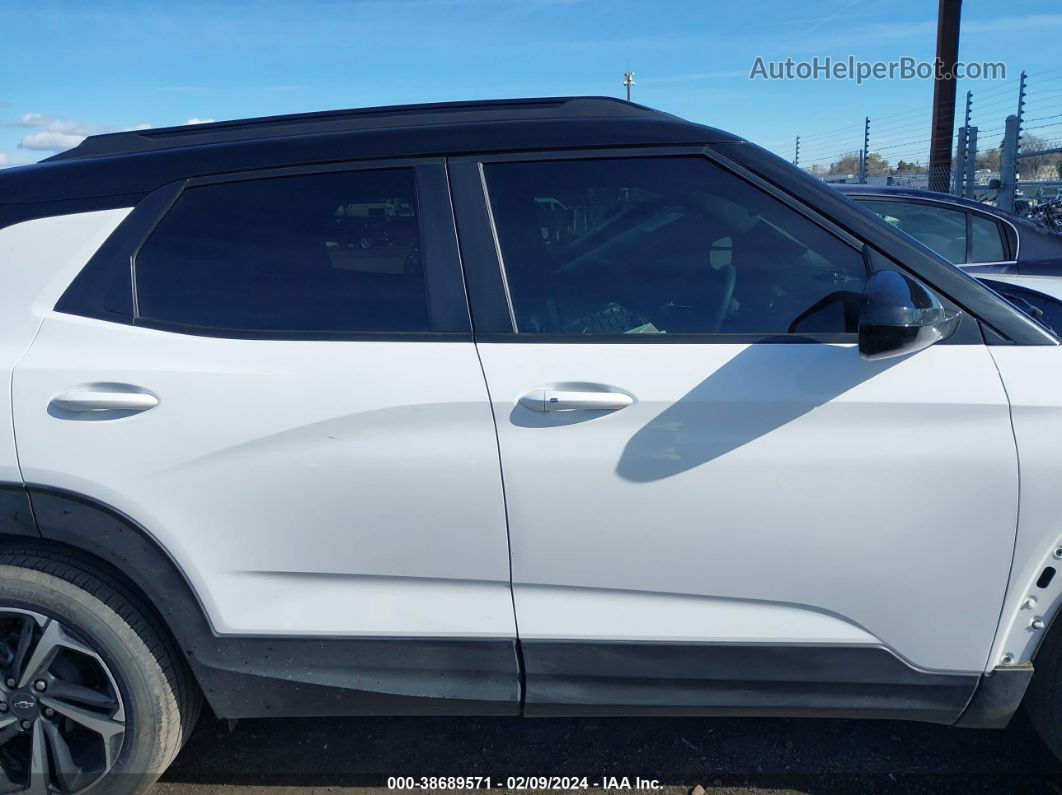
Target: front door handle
[(83, 399), (566, 400)]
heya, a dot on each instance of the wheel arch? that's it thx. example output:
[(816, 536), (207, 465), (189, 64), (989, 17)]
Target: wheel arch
[(109, 539)]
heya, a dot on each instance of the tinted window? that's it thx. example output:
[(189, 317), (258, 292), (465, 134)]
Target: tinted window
[(1040, 307), (939, 228), (986, 240), (664, 245), (318, 253)]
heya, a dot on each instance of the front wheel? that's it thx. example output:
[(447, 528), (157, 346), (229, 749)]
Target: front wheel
[(91, 697)]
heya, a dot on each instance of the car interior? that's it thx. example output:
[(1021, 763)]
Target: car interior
[(659, 249)]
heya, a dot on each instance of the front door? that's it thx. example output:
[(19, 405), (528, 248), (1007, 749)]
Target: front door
[(713, 501)]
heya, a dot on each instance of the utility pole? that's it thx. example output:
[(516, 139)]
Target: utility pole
[(796, 153), (628, 81), (948, 14)]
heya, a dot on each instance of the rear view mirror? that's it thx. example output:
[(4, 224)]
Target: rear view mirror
[(898, 316)]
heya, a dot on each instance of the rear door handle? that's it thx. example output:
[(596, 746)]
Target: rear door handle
[(566, 400), (83, 399)]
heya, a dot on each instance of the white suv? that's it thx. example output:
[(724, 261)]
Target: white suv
[(541, 407)]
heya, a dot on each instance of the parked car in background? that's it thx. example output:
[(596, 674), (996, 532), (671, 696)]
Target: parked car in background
[(1038, 296), (976, 236), (1049, 193)]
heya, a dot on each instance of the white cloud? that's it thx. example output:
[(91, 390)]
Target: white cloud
[(56, 134), (7, 162), (43, 121), (195, 120), (50, 141)]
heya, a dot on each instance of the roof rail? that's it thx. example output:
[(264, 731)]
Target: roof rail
[(378, 118)]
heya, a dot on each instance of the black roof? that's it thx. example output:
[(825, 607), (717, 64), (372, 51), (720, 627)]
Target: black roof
[(440, 114), (130, 164)]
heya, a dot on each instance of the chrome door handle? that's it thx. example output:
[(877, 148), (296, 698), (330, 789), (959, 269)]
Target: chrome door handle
[(82, 399), (566, 400)]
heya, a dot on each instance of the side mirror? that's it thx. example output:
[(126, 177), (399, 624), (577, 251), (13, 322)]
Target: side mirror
[(994, 184), (897, 316)]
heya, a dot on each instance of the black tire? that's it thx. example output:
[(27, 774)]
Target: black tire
[(1043, 699), (160, 703)]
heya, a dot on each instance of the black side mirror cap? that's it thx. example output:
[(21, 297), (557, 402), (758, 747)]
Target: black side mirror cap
[(899, 316)]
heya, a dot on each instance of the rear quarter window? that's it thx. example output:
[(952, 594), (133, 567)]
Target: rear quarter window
[(336, 252)]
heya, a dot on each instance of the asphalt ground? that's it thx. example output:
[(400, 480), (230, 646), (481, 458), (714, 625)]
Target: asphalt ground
[(724, 755)]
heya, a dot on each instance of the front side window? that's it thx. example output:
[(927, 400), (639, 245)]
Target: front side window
[(938, 228), (335, 252), (664, 246)]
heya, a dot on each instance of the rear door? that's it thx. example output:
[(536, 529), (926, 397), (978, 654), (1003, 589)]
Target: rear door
[(713, 501), (290, 401)]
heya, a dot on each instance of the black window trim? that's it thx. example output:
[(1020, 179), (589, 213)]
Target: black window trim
[(488, 286), (444, 280)]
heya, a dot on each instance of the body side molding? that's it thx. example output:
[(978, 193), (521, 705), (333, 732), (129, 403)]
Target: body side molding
[(719, 679)]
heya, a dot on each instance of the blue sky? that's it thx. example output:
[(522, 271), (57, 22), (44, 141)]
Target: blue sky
[(72, 68)]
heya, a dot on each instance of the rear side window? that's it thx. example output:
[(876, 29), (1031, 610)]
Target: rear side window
[(335, 252), (986, 240), (938, 228), (664, 246)]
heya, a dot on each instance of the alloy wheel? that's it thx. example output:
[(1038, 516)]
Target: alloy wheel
[(62, 721)]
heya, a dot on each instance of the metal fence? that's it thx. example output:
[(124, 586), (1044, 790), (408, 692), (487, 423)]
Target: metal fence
[(1008, 145)]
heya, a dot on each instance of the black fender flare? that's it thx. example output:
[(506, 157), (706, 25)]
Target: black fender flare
[(74, 520)]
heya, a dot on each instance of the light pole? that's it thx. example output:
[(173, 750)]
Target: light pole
[(628, 81)]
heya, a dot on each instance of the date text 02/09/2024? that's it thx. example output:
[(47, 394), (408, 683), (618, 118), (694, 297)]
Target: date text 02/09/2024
[(520, 783)]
